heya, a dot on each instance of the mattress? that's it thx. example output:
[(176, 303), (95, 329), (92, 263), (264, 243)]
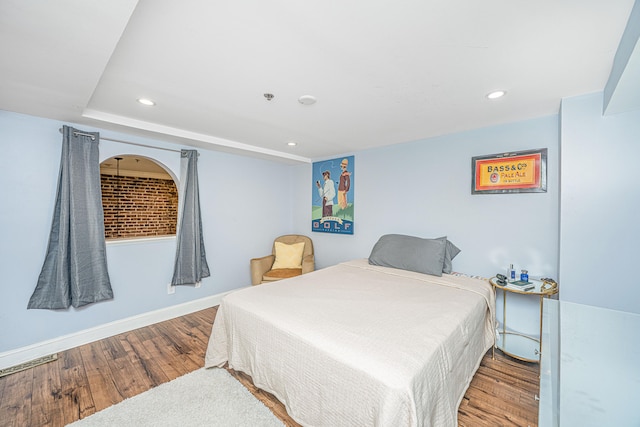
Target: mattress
[(359, 345)]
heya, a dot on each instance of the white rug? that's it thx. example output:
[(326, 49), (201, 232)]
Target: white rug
[(206, 397)]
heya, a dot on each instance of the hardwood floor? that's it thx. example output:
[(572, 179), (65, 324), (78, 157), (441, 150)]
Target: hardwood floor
[(89, 378)]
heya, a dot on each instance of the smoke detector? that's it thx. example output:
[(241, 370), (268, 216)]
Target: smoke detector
[(307, 100)]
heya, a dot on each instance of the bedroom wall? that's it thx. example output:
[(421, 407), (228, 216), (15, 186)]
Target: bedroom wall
[(423, 188), (600, 202), (242, 212)]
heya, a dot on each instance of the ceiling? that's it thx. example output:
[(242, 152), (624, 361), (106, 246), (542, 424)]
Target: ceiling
[(136, 166), (382, 72)]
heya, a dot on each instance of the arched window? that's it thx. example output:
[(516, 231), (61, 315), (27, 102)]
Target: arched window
[(139, 198)]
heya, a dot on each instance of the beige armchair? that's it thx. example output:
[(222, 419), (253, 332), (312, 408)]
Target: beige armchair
[(262, 270)]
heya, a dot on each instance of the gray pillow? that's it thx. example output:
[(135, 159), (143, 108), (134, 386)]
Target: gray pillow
[(409, 253), (450, 253)]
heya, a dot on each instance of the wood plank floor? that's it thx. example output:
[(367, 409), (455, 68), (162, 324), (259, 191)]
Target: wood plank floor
[(89, 378)]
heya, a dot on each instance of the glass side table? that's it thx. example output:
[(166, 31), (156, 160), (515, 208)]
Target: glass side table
[(521, 346)]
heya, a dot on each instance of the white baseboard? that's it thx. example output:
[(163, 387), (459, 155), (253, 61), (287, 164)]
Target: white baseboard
[(24, 354)]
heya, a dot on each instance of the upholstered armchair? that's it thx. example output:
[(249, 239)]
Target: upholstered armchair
[(291, 255)]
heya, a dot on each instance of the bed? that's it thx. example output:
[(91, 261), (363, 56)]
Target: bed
[(357, 344)]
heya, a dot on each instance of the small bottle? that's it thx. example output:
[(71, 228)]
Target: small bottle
[(511, 273), (524, 276)]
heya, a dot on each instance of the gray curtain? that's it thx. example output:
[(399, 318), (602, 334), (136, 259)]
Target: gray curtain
[(75, 266), (191, 260)]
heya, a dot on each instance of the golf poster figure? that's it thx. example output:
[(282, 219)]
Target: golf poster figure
[(332, 196)]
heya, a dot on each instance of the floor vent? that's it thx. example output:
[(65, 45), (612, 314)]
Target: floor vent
[(28, 365)]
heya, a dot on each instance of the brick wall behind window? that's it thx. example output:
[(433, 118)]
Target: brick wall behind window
[(137, 207)]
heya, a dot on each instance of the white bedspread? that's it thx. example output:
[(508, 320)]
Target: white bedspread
[(359, 345)]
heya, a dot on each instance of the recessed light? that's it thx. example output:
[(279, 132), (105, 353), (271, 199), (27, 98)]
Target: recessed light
[(307, 100), (497, 94), (292, 143), (145, 101)]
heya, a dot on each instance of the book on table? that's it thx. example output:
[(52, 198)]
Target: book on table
[(522, 285)]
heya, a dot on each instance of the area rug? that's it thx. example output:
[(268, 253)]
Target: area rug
[(206, 397)]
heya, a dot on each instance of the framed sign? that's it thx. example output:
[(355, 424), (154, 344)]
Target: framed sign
[(332, 196), (517, 172)]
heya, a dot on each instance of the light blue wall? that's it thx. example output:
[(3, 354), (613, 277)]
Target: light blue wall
[(622, 90), (423, 188), (600, 205), (420, 188), (244, 207)]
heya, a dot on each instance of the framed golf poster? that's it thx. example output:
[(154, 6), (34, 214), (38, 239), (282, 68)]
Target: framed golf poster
[(332, 196)]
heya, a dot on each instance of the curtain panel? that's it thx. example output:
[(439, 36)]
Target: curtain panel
[(75, 265), (191, 261)]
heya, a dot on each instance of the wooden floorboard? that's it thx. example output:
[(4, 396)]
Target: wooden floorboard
[(45, 395), (102, 386), (15, 408), (76, 400), (92, 377)]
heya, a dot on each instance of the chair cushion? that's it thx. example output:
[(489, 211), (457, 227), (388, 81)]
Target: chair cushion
[(288, 256), (281, 273)]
